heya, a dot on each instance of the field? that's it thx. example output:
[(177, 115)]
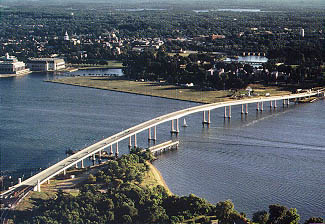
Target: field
[(165, 90)]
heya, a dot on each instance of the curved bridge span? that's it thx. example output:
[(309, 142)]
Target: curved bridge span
[(36, 180)]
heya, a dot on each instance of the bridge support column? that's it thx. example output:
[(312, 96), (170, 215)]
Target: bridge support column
[(155, 133), (116, 152), (64, 172), (135, 140), (271, 102), (257, 106), (229, 110), (130, 145), (76, 166), (111, 149), (48, 181), (284, 102), (242, 109), (225, 116), (205, 121), (173, 130), (149, 134), (275, 104), (288, 101), (262, 106), (246, 112), (82, 164), (19, 180), (38, 186)]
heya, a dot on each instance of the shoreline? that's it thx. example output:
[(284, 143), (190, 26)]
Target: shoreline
[(167, 91), (158, 177), (122, 91)]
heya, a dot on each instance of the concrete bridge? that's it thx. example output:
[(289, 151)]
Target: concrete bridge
[(150, 126)]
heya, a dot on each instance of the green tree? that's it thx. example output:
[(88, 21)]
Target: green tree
[(260, 217), (314, 220)]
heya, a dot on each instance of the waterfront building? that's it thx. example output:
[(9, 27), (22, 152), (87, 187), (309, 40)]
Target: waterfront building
[(46, 64), (11, 66)]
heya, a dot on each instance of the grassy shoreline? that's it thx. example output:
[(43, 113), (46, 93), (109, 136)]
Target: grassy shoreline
[(163, 90)]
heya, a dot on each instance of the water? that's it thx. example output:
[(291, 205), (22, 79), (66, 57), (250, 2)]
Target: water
[(273, 157)]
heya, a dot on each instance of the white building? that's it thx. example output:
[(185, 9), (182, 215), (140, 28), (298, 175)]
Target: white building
[(66, 36), (11, 65), (302, 32), (46, 64)]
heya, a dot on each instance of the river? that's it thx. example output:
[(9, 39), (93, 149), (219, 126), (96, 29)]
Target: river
[(258, 160)]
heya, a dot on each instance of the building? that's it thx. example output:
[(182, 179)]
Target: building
[(302, 32), (46, 64), (66, 36), (11, 66)]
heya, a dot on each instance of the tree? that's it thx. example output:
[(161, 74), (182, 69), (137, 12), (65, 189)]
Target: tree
[(315, 220), (261, 217), (223, 211), (281, 215)]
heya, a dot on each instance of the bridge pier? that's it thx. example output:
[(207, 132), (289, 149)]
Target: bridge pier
[(82, 164), (76, 166), (64, 172), (257, 106), (246, 112), (38, 186), (204, 118), (116, 151), (111, 149), (130, 145), (229, 112), (173, 130), (149, 134), (155, 133), (262, 106), (288, 102), (225, 116), (275, 104), (242, 109)]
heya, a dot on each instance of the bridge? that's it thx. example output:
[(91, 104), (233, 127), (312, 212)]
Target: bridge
[(113, 141)]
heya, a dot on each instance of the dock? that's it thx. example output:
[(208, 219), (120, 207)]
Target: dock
[(162, 147)]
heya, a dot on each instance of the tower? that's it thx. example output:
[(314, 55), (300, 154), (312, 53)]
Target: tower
[(66, 36)]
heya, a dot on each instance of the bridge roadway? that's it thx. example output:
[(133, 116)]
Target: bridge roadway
[(72, 160)]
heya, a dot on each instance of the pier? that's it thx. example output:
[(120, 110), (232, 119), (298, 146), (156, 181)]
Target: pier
[(162, 147)]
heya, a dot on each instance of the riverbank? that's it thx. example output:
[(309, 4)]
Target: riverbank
[(19, 74), (164, 90), (70, 185), (154, 178)]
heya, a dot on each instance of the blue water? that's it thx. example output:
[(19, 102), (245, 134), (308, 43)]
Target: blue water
[(264, 158)]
